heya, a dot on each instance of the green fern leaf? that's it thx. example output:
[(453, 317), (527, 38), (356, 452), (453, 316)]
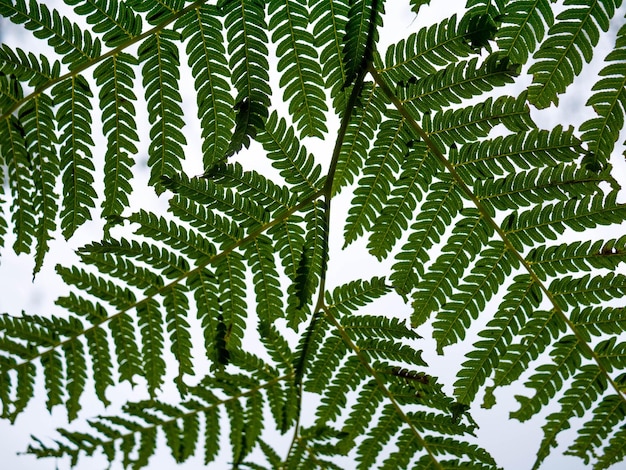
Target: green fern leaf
[(296, 166), (609, 103), (298, 64), (330, 18), (74, 123), (20, 176), (570, 42), (115, 20), (505, 154), (231, 287), (68, 40), (260, 256), (387, 426), (115, 77), (207, 59), (37, 121), (157, 11), (469, 236), (374, 186), (28, 68), (457, 82), (614, 452), (361, 36), (441, 205), (422, 53), (360, 132), (524, 27)]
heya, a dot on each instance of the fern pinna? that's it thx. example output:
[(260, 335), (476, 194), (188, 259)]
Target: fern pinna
[(476, 218)]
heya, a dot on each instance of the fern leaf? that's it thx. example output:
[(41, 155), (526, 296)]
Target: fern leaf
[(326, 362), (229, 272), (570, 42), (21, 179), (299, 66), (455, 317), (408, 190), (175, 235), (387, 426), (441, 205), (161, 74), (550, 221), (101, 363), (535, 335), (312, 266), (74, 122), (465, 125), (506, 154), (288, 239), (361, 36), (52, 364), (360, 132), (524, 27), (260, 256), (588, 384), (374, 186), (295, 165), (609, 103), (37, 120), (347, 298), (245, 32), (115, 20), (422, 53), (608, 413), (615, 451), (28, 68), (207, 58), (115, 77), (597, 320), (157, 11), (253, 185), (469, 236), (68, 40), (523, 296), (457, 82), (560, 182), (76, 376), (330, 18)]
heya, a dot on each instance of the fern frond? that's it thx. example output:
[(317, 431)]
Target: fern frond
[(115, 20), (468, 237), (161, 74), (229, 272), (468, 124), (549, 221), (253, 185), (609, 103), (361, 36), (374, 186), (454, 318), (260, 255), (115, 77), (158, 10), (21, 183), (299, 66), (522, 296), (570, 41), (524, 27), (523, 150), (28, 68), (360, 133), (245, 32), (459, 81), (74, 124), (560, 182), (68, 39), (576, 257), (608, 413), (295, 164), (37, 120), (597, 320), (423, 53), (209, 66), (330, 18), (442, 204), (415, 176)]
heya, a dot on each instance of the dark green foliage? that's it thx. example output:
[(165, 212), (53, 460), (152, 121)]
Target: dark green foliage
[(477, 218)]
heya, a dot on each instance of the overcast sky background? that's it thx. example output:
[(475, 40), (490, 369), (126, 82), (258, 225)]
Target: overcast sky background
[(513, 444)]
